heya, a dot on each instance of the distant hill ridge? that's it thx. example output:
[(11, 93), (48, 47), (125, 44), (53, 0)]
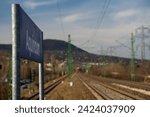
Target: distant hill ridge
[(49, 44), (78, 54), (5, 47)]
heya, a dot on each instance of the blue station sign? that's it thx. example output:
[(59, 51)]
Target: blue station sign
[(31, 38)]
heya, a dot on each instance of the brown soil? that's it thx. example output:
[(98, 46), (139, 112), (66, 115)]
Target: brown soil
[(147, 80), (66, 92)]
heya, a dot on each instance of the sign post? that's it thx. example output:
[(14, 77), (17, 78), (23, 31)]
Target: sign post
[(41, 79), (41, 82), (27, 42), (15, 52)]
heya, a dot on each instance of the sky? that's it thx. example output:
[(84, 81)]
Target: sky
[(97, 26)]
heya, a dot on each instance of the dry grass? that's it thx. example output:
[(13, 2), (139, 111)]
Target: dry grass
[(3, 91), (121, 71), (3, 73)]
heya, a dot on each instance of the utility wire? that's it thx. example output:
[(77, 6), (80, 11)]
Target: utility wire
[(123, 44), (60, 17), (99, 21)]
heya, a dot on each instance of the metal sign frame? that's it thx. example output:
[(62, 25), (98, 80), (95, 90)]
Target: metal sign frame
[(17, 45)]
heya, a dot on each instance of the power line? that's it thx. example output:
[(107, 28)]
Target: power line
[(60, 17), (123, 44), (100, 16), (99, 21), (96, 26)]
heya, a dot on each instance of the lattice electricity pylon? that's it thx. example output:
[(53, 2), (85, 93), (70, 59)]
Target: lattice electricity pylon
[(142, 33), (132, 58), (69, 58)]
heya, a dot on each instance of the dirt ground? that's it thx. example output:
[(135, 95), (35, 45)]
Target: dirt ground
[(75, 92)]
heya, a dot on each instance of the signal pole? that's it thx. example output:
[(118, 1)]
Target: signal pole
[(143, 44), (103, 61), (69, 59), (132, 58)]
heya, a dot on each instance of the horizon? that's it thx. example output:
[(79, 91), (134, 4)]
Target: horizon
[(94, 25)]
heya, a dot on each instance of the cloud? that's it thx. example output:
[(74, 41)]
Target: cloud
[(126, 13), (71, 18), (35, 4), (75, 17)]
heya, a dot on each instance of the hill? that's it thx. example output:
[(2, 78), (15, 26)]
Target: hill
[(59, 49), (52, 46), (49, 45), (5, 47)]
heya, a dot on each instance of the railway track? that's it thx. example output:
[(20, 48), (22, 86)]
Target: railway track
[(131, 83), (107, 92), (47, 89), (121, 94)]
